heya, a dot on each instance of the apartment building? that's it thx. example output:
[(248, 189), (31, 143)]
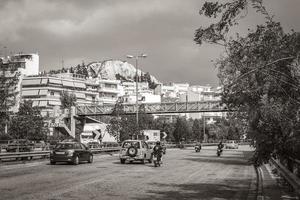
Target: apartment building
[(203, 93), (45, 91)]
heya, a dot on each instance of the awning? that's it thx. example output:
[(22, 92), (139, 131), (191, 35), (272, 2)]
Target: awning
[(31, 81), (43, 104), (54, 103), (44, 81), (30, 92), (80, 95), (56, 81), (79, 85), (68, 83), (43, 92)]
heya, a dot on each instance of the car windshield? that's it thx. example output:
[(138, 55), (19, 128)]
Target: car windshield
[(131, 143), (65, 146)]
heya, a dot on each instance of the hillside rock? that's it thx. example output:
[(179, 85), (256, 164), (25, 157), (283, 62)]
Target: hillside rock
[(110, 68)]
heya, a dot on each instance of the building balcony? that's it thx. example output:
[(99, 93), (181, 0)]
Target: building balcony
[(108, 90)]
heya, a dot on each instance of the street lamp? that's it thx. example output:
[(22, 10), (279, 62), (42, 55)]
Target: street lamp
[(136, 84)]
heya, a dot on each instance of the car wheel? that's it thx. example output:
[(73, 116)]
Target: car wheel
[(91, 158), (150, 160), (132, 151), (52, 162), (143, 161), (122, 161), (76, 160)]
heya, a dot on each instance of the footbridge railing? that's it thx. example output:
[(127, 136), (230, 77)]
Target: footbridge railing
[(152, 108)]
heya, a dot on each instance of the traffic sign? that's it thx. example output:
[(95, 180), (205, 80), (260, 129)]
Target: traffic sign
[(164, 135)]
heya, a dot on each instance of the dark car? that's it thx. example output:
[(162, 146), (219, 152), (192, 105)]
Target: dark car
[(71, 152)]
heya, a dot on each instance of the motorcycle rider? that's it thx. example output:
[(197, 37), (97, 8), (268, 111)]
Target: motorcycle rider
[(220, 146), (198, 146), (157, 150)]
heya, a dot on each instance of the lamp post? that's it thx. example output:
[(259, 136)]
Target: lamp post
[(136, 84)]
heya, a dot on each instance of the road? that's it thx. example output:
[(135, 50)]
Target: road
[(185, 174)]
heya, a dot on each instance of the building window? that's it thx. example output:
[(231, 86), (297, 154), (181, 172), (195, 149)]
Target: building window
[(52, 93)]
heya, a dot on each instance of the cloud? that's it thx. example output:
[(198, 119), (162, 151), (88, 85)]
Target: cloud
[(76, 30)]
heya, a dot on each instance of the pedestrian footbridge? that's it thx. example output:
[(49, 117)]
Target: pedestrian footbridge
[(151, 108)]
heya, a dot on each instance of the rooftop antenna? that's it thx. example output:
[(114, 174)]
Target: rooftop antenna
[(62, 62), (5, 51)]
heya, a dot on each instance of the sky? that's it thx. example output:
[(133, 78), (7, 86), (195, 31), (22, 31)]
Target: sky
[(77, 31)]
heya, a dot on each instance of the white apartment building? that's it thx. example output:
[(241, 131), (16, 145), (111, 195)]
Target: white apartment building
[(203, 93), (129, 88), (27, 64), (181, 88), (31, 66), (45, 91), (143, 97)]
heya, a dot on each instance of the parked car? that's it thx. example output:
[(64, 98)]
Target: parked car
[(231, 144), (135, 150), (151, 144), (19, 145), (71, 152)]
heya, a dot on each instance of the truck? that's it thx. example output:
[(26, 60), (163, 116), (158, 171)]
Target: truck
[(151, 135), (95, 135)]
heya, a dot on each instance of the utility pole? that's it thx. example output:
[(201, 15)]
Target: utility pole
[(204, 126), (136, 86)]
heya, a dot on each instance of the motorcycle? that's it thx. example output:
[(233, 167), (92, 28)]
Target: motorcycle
[(219, 151), (157, 162), (197, 148)]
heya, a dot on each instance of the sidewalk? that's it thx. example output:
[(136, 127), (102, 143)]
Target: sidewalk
[(273, 187)]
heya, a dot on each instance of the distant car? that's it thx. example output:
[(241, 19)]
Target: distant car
[(231, 144), (135, 150), (71, 152), (153, 143)]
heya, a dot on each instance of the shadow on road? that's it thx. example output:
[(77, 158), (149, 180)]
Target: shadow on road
[(224, 159), (231, 189)]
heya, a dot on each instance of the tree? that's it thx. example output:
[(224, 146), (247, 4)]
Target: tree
[(165, 126), (82, 70), (260, 75), (147, 78), (125, 125), (180, 131), (9, 77), (28, 123), (67, 99), (197, 130)]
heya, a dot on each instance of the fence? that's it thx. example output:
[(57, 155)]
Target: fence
[(289, 169)]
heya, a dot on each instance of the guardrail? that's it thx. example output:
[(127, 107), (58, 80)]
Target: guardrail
[(45, 154), (288, 175), (28, 155), (107, 149)]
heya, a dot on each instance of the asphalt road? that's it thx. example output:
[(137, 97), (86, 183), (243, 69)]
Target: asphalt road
[(185, 174)]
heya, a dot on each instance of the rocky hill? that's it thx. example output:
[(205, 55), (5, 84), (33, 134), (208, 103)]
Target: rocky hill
[(114, 69)]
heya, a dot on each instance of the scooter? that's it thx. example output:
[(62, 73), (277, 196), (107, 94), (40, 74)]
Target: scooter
[(197, 148), (219, 152), (157, 162)]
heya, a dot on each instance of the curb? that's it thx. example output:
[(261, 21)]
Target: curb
[(259, 184)]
